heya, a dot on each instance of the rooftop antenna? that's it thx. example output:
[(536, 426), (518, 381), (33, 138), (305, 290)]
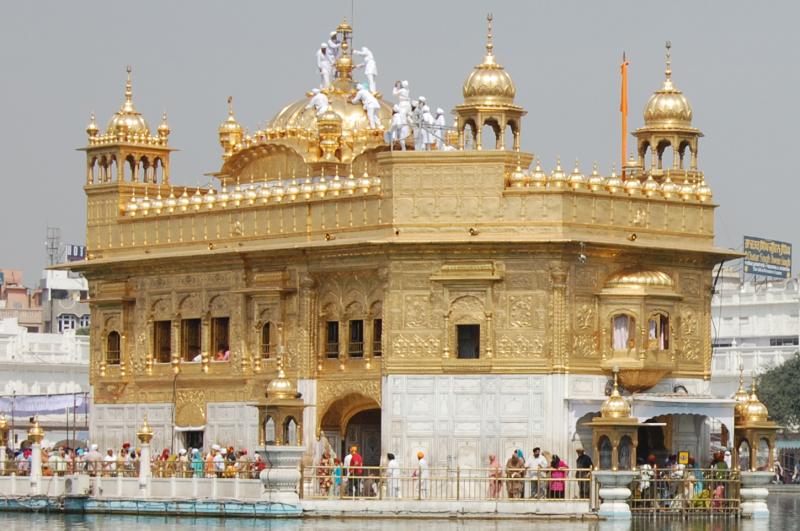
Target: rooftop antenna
[(52, 245)]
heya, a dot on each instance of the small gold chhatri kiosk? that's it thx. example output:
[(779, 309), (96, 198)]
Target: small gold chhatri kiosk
[(615, 433)]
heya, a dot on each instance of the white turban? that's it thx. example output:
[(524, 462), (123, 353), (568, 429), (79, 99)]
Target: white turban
[(404, 83), (333, 34), (215, 447), (223, 451), (94, 447), (439, 111), (422, 99), (315, 91), (323, 45), (396, 108), (182, 451), (425, 108)]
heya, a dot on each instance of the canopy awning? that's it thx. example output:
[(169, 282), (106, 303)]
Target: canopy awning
[(788, 444)]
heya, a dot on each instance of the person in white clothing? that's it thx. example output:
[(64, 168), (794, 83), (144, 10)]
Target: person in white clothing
[(109, 462), (319, 102), (428, 136), (536, 464), (370, 68), (402, 94), (423, 475), (398, 130), (333, 48), (440, 126), (393, 476), (324, 65), (370, 104)]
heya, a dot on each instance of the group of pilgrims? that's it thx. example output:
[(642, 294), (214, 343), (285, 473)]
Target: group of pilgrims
[(409, 117)]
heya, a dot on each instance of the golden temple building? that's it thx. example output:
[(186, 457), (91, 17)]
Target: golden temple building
[(459, 301)]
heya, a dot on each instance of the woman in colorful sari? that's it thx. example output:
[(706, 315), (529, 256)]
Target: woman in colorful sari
[(324, 472), (515, 472), (557, 485)]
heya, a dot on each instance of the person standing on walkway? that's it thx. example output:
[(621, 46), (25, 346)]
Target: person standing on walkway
[(584, 465), (535, 465), (393, 475)]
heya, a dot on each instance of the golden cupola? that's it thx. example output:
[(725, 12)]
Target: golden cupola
[(754, 410), (127, 121), (615, 406), (489, 95), (230, 132), (668, 107), (489, 83), (668, 124), (297, 140)]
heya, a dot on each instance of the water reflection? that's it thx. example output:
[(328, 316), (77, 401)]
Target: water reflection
[(784, 514)]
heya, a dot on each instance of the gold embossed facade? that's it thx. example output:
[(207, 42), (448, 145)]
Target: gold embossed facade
[(423, 299)]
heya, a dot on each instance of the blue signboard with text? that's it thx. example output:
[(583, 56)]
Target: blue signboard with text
[(767, 258)]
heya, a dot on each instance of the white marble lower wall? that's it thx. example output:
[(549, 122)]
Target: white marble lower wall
[(460, 420), (227, 423)]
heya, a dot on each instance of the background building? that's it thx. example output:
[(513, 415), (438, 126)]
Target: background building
[(45, 375), (18, 302), (755, 326)]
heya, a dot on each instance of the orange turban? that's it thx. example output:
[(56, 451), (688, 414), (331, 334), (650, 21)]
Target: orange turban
[(420, 454)]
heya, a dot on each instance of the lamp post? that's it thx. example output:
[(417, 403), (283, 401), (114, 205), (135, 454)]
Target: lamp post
[(36, 435), (145, 435)]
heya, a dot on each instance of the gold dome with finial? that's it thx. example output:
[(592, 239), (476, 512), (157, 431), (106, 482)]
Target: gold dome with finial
[(145, 433), (281, 388), (668, 107), (92, 130), (36, 433), (615, 407), (127, 119), (489, 83), (163, 128), (230, 131), (754, 410)]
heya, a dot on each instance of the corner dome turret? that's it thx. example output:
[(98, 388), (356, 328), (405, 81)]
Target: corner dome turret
[(489, 83), (668, 107)]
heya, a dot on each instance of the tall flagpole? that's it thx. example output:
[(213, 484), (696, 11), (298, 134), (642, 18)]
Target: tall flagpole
[(623, 108)]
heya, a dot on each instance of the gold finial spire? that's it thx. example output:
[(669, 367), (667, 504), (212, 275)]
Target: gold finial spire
[(230, 105), (128, 106), (489, 43), (668, 70)]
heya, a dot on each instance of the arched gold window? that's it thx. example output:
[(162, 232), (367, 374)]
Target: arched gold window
[(623, 332), (658, 332), (112, 348)]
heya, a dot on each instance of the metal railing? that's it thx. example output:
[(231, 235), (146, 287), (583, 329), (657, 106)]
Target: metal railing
[(130, 468), (689, 491), (476, 484)]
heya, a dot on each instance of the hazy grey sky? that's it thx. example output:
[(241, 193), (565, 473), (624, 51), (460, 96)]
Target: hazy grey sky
[(737, 62)]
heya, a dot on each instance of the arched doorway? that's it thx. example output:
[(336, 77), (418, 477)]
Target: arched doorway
[(364, 431), (353, 420)]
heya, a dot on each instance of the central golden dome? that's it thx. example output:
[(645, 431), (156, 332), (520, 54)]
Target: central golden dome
[(668, 107), (295, 117), (489, 83)]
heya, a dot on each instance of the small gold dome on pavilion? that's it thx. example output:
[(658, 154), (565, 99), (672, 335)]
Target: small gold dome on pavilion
[(163, 128), (640, 278), (36, 433), (127, 119), (281, 387), (489, 83), (754, 410), (615, 407), (668, 107)]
